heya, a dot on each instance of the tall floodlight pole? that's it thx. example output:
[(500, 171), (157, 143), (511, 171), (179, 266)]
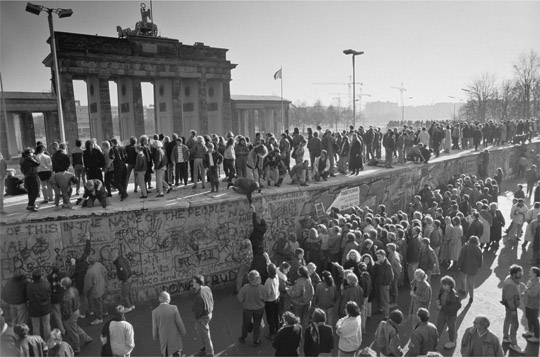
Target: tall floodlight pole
[(401, 90), (36, 10), (354, 54)]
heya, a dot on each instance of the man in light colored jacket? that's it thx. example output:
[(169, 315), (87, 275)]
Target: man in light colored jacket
[(94, 288), (167, 326)]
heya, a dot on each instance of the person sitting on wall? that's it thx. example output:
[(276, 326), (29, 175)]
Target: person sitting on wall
[(93, 189), (299, 172), (13, 184), (321, 167)]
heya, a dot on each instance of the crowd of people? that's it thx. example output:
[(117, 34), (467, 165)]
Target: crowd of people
[(343, 268), (354, 264), (100, 169)]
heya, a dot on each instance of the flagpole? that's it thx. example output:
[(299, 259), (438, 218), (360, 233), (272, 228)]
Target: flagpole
[(282, 116)]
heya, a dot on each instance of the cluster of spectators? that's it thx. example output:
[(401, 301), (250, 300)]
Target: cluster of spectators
[(353, 265), (266, 159)]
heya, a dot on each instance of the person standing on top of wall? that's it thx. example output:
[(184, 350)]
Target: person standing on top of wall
[(29, 166)]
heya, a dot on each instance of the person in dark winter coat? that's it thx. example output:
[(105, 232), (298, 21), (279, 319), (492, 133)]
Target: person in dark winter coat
[(384, 275), (318, 337), (29, 166), (448, 305), (123, 273), (93, 161), (57, 294), (14, 293), (259, 229), (498, 223), (469, 262), (39, 304), (389, 144), (79, 267), (424, 337), (356, 161), (287, 340)]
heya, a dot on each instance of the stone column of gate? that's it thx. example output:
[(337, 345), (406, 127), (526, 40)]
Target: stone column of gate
[(227, 117), (178, 125), (138, 110), (71, 129), (52, 127), (105, 104), (269, 119), (28, 134), (203, 110), (286, 114), (235, 122), (251, 124), (4, 136)]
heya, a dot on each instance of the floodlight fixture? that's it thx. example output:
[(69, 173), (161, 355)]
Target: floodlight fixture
[(33, 8)]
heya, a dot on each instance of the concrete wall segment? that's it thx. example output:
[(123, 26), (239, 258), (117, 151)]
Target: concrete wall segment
[(168, 246)]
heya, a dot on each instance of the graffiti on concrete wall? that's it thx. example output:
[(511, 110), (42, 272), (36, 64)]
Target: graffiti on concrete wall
[(165, 248)]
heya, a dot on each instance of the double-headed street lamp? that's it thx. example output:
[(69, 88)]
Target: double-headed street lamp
[(354, 54), (36, 10)]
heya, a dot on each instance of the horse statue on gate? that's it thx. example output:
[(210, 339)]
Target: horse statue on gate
[(142, 28)]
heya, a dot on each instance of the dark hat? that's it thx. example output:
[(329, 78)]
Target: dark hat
[(37, 273)]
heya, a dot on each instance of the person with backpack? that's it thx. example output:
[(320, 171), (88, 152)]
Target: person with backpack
[(387, 338), (123, 273), (448, 304)]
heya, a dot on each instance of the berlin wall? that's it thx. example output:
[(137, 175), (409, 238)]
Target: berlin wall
[(166, 247)]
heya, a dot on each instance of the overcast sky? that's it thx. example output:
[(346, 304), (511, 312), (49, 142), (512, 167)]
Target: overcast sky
[(434, 48)]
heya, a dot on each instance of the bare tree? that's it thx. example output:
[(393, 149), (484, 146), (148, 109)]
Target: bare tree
[(481, 91), (504, 100), (527, 71)]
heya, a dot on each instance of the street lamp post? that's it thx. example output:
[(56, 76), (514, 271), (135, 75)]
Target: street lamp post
[(36, 10), (454, 106), (354, 54)]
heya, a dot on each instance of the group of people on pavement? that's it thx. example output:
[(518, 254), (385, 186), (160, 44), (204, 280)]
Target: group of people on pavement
[(353, 264)]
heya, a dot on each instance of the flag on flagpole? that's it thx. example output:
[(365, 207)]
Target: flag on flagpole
[(277, 75)]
